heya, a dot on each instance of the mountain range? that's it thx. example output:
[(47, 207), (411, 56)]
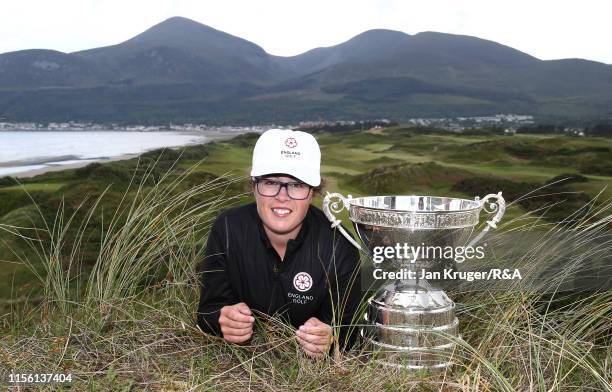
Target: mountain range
[(183, 71)]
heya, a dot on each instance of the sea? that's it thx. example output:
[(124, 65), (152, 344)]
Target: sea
[(23, 152)]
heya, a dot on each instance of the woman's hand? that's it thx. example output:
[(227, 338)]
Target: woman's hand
[(236, 323), (315, 337)]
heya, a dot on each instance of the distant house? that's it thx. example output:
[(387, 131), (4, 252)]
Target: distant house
[(574, 131)]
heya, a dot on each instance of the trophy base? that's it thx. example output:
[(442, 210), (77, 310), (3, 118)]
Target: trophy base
[(412, 326), (412, 358)]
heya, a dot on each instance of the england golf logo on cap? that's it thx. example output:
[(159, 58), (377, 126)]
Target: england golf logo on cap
[(290, 152), (291, 142), (302, 281)]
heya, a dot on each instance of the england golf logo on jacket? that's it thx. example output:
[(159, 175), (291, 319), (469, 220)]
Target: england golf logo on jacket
[(302, 281)]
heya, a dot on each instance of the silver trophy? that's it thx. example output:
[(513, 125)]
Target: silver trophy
[(410, 323)]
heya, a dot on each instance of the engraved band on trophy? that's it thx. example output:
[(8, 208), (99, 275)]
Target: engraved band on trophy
[(410, 323)]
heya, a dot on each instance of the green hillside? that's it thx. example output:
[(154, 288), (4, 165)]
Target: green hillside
[(392, 161), (98, 266)]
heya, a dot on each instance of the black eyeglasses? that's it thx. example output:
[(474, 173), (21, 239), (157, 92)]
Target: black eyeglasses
[(270, 188)]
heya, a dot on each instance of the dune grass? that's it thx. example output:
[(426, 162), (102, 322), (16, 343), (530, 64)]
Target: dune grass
[(128, 322)]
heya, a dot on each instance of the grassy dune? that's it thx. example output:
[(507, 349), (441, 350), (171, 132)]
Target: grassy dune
[(99, 268)]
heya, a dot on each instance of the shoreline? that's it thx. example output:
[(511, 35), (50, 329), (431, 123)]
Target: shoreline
[(86, 161), (68, 166)]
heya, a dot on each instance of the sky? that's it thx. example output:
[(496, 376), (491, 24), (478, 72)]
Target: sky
[(544, 29)]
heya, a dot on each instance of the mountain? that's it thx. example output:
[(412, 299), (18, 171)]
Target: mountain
[(27, 69), (393, 53), (181, 50), (181, 70)]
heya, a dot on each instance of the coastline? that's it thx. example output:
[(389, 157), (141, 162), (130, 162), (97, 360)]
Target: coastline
[(77, 162), (75, 165)]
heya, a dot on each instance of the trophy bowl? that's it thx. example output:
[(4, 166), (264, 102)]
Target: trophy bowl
[(410, 323)]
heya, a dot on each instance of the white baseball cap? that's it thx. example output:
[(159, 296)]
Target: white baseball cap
[(285, 151)]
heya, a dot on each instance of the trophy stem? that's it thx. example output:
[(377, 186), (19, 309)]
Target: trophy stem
[(410, 324)]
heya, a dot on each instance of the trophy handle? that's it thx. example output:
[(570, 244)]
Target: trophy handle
[(330, 207), (498, 207)]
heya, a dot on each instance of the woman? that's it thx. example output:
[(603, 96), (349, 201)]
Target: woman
[(279, 255)]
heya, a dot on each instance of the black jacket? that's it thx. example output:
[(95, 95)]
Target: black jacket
[(318, 277)]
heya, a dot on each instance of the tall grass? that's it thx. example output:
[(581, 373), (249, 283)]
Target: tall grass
[(161, 232), (128, 322)]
